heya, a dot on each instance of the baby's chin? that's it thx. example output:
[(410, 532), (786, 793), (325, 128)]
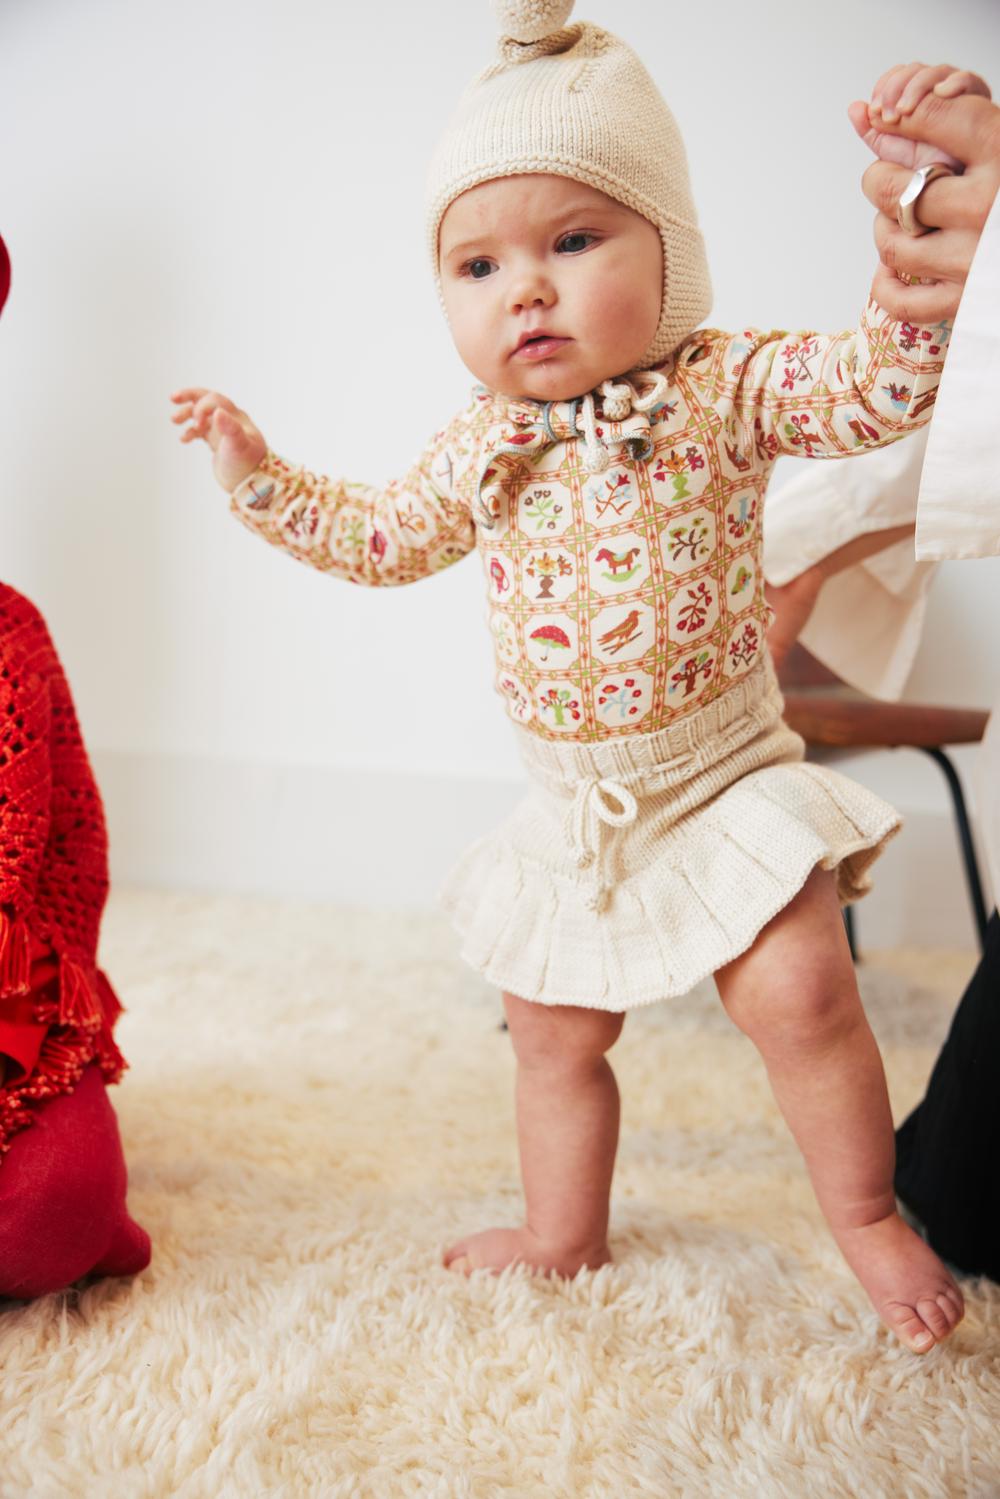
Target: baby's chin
[(546, 382)]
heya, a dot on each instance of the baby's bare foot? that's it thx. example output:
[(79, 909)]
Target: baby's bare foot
[(496, 1248), (908, 1285)]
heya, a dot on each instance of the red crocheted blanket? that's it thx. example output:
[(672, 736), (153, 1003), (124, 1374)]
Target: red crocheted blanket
[(53, 868)]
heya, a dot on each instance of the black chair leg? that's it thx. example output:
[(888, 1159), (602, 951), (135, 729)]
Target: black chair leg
[(852, 933), (965, 837)]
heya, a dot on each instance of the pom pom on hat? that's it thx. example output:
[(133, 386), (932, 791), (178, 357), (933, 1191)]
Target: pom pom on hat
[(531, 20)]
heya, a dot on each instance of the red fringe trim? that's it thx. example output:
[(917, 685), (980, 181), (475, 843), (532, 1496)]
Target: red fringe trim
[(15, 957), (84, 1020), (79, 1005)]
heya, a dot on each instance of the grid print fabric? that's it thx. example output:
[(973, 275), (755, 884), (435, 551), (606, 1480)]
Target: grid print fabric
[(624, 599)]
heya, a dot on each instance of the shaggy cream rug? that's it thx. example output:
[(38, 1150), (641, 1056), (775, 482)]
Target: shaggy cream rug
[(319, 1100)]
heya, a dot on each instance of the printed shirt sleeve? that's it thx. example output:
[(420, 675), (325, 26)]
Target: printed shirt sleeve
[(819, 396), (414, 527)]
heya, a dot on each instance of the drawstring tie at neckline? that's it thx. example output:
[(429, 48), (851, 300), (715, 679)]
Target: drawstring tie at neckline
[(561, 421), (597, 801), (618, 399)]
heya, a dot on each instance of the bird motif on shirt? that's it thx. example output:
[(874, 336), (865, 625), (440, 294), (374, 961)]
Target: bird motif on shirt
[(621, 634)]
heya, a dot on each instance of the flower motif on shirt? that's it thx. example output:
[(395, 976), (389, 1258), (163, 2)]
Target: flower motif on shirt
[(743, 647), (547, 568), (689, 671), (621, 702), (797, 363), (514, 693), (687, 540), (675, 469), (610, 494), (560, 702), (740, 515), (621, 697), (352, 531), (693, 614), (765, 442), (302, 522), (542, 507), (796, 430), (503, 634)]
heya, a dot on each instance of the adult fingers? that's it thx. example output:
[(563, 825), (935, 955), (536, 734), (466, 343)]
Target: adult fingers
[(188, 393), (948, 202), (923, 305), (945, 256), (963, 82)]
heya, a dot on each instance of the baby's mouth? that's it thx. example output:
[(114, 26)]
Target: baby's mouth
[(539, 345)]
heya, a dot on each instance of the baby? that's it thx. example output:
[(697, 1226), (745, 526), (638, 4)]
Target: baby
[(610, 470)]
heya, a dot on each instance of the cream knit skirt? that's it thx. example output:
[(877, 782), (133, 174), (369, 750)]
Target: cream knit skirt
[(638, 866)]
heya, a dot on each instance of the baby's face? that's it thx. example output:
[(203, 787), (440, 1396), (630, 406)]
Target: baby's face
[(550, 286)]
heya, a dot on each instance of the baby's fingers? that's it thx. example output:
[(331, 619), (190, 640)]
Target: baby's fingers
[(903, 101), (892, 83)]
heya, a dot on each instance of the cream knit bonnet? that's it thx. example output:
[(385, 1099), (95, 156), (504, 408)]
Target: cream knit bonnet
[(577, 102)]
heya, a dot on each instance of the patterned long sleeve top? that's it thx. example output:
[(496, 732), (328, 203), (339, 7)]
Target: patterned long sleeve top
[(620, 536)]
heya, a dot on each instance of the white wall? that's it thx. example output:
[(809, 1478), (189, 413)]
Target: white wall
[(230, 194)]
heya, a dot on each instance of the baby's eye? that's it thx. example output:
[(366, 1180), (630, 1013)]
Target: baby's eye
[(479, 269), (572, 244)]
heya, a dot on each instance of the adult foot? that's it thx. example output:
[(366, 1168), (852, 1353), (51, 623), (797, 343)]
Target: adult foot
[(909, 1286), (496, 1248)]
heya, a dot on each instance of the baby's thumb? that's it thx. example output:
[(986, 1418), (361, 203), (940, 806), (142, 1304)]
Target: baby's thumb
[(226, 425)]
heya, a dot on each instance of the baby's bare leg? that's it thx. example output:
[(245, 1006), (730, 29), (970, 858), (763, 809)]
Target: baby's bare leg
[(795, 995), (567, 1129)]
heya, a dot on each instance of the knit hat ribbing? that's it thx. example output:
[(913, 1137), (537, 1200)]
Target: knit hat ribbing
[(577, 102)]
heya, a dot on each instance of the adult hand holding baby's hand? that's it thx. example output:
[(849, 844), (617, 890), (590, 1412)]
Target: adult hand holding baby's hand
[(238, 445), (918, 116), (895, 96)]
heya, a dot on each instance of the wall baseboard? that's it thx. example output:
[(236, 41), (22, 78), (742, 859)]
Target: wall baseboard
[(365, 838)]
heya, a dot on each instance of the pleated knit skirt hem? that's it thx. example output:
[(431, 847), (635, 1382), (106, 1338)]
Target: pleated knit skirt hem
[(637, 867)]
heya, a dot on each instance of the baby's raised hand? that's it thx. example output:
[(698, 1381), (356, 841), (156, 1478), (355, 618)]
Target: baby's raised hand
[(897, 93), (237, 445)]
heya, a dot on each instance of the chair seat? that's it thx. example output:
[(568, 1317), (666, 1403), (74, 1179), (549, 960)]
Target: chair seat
[(840, 718)]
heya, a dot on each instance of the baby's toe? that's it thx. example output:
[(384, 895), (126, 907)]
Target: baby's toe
[(934, 1316), (956, 1298), (909, 1328)]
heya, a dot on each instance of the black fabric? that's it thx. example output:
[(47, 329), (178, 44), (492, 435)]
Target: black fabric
[(948, 1150)]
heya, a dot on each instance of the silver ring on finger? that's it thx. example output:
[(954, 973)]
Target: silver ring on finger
[(906, 210)]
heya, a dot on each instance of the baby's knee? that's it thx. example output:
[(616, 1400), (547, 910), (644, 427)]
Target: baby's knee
[(810, 1011), (564, 1037)]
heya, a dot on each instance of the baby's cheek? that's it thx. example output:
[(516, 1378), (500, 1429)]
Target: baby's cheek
[(632, 313)]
